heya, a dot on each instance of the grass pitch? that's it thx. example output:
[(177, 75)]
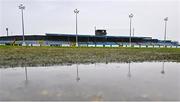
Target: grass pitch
[(14, 56)]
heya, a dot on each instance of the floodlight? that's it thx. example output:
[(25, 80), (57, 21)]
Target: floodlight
[(166, 19), (76, 11), (131, 15), (21, 6)]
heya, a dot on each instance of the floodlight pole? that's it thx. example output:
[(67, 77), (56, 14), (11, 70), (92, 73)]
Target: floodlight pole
[(22, 7), (165, 30), (76, 11), (133, 31), (95, 29), (130, 17)]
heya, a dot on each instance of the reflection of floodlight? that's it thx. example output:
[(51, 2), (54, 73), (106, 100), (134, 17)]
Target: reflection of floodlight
[(77, 78), (165, 19), (130, 17), (163, 72), (26, 76), (76, 11), (26, 73), (129, 72), (22, 7)]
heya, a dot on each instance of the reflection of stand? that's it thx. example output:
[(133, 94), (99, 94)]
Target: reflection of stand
[(77, 78), (129, 72), (163, 71)]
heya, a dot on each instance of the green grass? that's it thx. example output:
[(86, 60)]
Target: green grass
[(13, 56)]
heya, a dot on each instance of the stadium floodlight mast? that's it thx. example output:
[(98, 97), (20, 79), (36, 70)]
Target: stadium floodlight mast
[(76, 11), (22, 7), (130, 17), (133, 31), (165, 30)]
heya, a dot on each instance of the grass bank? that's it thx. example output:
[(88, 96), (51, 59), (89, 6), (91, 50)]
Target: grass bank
[(13, 56)]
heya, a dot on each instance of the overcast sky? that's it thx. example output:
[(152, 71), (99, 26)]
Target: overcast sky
[(57, 16)]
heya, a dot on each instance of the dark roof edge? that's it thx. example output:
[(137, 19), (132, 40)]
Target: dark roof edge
[(55, 34)]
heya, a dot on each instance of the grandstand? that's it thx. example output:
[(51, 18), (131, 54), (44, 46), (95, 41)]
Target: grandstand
[(50, 39)]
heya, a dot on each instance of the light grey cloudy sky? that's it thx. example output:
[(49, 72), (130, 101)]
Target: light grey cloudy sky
[(57, 16)]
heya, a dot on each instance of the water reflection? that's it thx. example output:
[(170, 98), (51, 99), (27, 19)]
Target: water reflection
[(100, 82), (129, 70), (163, 71), (129, 75), (77, 77), (26, 76)]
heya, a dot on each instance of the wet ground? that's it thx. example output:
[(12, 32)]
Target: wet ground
[(157, 81)]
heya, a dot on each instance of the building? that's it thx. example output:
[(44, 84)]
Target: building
[(99, 39), (100, 32)]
